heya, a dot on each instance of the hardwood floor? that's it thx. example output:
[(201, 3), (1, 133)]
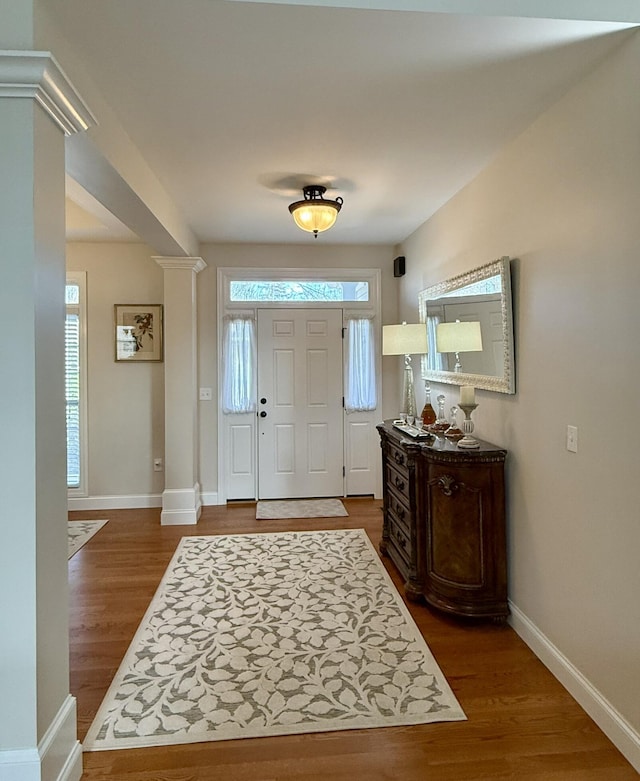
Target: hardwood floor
[(522, 724)]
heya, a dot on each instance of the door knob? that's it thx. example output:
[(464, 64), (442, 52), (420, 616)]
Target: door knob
[(263, 400), (263, 414)]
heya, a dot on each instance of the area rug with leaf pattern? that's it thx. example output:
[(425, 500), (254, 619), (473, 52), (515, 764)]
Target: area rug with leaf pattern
[(254, 635), (80, 532)]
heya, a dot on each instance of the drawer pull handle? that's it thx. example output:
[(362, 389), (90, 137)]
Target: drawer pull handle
[(399, 483), (400, 512), (398, 458), (447, 485), (401, 540)]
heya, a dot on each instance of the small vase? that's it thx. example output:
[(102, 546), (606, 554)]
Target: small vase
[(428, 414), (441, 424), (453, 432)]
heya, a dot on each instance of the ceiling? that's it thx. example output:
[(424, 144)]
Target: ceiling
[(236, 105)]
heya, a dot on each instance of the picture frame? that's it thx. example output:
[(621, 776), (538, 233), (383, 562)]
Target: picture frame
[(138, 332)]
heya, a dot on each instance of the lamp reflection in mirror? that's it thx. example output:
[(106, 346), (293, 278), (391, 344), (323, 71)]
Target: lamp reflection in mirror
[(407, 340), (458, 337)]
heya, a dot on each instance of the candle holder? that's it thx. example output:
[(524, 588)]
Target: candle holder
[(467, 426)]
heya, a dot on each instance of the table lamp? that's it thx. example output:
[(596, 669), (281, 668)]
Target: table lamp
[(405, 339)]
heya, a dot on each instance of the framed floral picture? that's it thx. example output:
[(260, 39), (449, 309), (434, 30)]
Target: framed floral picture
[(138, 332)]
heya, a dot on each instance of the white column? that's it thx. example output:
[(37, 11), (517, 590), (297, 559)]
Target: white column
[(38, 107), (181, 502)]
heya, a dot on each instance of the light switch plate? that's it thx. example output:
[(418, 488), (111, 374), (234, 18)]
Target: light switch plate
[(572, 439), (205, 394)]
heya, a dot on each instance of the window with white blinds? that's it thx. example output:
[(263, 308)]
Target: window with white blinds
[(75, 368)]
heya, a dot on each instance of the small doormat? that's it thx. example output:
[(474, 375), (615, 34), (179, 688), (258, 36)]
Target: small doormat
[(80, 532), (299, 508)]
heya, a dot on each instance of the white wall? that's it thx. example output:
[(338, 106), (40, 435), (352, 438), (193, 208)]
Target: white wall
[(125, 400), (564, 200)]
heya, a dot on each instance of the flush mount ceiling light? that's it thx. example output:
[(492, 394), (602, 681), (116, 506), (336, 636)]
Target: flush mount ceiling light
[(315, 213)]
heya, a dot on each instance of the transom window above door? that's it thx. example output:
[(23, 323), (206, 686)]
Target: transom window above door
[(297, 290)]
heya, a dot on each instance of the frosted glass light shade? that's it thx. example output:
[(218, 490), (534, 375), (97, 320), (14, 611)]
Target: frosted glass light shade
[(405, 339), (315, 213), (314, 217), (458, 337)]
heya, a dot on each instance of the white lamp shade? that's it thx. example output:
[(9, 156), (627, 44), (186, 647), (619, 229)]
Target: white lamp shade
[(405, 339), (314, 217), (458, 337)]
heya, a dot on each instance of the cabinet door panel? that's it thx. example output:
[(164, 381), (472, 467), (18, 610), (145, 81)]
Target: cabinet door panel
[(455, 544)]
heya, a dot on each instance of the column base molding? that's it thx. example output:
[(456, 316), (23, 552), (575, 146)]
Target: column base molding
[(181, 506), (58, 757)]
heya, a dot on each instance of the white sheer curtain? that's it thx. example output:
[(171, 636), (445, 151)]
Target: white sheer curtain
[(360, 391), (239, 364), (435, 360)]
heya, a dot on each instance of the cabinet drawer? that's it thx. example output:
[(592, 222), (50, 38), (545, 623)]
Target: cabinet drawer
[(399, 482), (400, 541), (399, 512), (398, 459)]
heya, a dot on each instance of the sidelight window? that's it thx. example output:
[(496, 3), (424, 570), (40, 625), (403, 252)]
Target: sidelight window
[(239, 365), (360, 375)]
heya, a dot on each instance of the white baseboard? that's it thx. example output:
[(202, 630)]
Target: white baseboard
[(72, 770), (120, 502), (58, 757), (132, 502), (613, 724)]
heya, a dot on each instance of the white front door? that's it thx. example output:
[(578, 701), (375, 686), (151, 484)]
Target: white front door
[(300, 418)]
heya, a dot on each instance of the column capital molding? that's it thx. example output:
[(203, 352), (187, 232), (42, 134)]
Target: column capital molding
[(190, 264), (37, 75)]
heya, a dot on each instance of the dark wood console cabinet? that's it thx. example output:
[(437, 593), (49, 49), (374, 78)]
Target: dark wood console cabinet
[(444, 522)]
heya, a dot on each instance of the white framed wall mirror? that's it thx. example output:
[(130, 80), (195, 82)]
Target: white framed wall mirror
[(469, 320)]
